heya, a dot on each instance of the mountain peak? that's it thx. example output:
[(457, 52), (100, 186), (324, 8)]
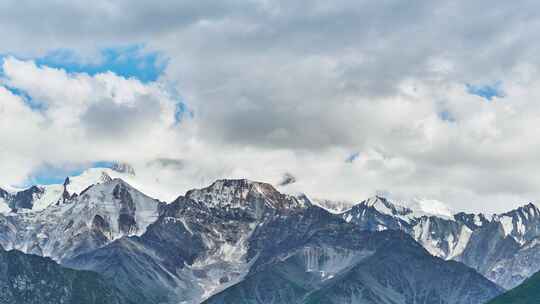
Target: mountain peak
[(117, 208), (239, 188), (530, 207), (92, 176), (526, 212), (385, 206), (4, 194), (515, 223), (242, 193), (109, 182)]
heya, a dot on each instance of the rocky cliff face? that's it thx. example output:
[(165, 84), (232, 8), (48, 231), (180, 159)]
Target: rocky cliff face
[(197, 246), (94, 218), (349, 266), (505, 250), (502, 247), (214, 239)]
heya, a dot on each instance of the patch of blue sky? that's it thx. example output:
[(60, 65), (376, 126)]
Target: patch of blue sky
[(102, 164), (34, 104), (49, 174), (132, 61), (486, 91), (446, 116), (182, 112), (181, 109), (351, 158), (31, 102)]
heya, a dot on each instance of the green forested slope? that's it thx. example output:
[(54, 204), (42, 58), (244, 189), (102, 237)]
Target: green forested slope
[(526, 293)]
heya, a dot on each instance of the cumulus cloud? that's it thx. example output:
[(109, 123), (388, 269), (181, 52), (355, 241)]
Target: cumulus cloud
[(279, 86), (84, 119), (108, 119)]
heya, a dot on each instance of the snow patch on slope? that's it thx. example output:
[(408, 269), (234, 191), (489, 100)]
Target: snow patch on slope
[(59, 231), (386, 207), (77, 184), (224, 267), (101, 199), (422, 234), (51, 194), (380, 205), (335, 207), (92, 176), (446, 243), (461, 243), (4, 208)]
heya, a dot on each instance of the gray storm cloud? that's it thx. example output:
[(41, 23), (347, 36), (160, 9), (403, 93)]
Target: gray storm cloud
[(112, 120)]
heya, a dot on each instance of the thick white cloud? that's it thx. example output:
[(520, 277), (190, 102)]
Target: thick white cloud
[(279, 87), (81, 118)]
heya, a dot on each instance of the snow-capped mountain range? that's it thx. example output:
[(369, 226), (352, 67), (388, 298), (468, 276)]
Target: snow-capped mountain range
[(502, 247), (89, 220), (230, 239), (39, 197)]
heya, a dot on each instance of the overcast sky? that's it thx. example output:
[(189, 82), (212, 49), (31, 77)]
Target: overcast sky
[(432, 99)]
